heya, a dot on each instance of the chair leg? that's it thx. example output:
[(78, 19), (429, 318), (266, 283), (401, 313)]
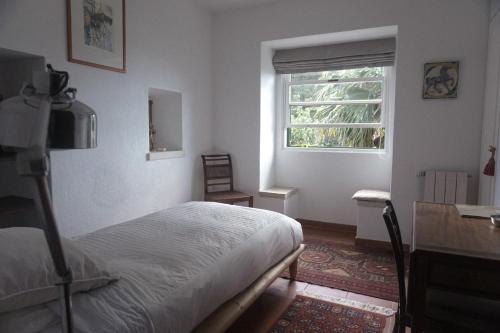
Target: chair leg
[(250, 202), (402, 320), (293, 269)]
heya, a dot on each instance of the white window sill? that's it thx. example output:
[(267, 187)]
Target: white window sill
[(278, 192), (336, 150), (161, 155)]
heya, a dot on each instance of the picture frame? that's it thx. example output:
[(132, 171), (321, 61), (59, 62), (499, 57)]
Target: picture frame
[(96, 33), (441, 80)]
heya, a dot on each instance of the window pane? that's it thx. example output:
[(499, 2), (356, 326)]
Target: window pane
[(340, 74), (328, 92), (335, 114), (356, 138)]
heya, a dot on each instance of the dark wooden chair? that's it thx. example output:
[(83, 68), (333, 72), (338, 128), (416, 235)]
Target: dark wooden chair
[(218, 172), (392, 225), (443, 313)]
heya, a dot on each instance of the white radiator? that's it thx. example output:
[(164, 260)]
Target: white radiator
[(445, 187)]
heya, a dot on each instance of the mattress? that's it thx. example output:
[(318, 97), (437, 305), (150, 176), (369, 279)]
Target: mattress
[(176, 267)]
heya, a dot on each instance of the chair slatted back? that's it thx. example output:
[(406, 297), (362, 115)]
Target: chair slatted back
[(218, 172), (391, 222), (392, 212)]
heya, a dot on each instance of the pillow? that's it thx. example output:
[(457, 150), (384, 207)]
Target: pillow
[(28, 275)]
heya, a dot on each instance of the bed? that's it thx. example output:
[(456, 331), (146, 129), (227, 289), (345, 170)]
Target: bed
[(194, 267)]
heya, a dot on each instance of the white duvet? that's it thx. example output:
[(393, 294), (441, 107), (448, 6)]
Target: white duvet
[(176, 267)]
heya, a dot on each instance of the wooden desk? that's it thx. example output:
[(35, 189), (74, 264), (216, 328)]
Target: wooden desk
[(449, 252)]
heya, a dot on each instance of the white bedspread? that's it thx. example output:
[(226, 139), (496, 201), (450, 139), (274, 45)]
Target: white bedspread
[(176, 266)]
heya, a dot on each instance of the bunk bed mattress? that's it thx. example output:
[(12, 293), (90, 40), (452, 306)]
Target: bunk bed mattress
[(176, 267)]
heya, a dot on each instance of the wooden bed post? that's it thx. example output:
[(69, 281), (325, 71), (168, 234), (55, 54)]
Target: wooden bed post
[(293, 269)]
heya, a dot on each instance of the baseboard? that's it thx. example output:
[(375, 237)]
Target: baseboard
[(326, 226), (378, 244)]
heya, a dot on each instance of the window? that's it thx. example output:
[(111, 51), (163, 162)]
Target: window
[(336, 109)]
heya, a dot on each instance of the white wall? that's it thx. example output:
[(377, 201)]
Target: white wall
[(327, 181), (169, 46), (427, 134), (267, 177), (488, 193)]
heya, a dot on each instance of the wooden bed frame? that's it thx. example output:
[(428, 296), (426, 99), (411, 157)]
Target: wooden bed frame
[(227, 313)]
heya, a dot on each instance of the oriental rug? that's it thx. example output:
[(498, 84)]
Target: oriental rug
[(307, 315), (362, 270)]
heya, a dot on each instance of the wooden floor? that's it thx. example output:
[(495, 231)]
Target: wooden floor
[(261, 316)]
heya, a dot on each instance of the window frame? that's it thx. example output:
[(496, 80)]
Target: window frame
[(383, 101)]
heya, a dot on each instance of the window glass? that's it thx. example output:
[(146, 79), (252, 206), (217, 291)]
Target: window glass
[(329, 92), (336, 109), (330, 137), (335, 114), (364, 72)]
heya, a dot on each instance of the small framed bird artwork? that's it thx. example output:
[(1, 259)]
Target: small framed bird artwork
[(440, 80)]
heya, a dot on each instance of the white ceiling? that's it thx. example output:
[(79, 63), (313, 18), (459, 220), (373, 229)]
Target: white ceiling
[(220, 5)]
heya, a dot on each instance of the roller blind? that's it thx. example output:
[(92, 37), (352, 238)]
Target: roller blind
[(369, 53)]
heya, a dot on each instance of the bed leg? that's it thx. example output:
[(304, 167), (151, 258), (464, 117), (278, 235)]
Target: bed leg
[(293, 269)]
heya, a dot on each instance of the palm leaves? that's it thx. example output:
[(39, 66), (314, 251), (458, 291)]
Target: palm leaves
[(348, 137)]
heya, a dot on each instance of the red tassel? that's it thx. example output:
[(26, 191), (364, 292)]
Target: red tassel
[(489, 169)]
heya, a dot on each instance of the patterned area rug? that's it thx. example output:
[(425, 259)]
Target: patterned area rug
[(361, 270), (307, 314)]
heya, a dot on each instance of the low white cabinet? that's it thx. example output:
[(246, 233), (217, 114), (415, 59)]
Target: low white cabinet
[(370, 223), (283, 200)]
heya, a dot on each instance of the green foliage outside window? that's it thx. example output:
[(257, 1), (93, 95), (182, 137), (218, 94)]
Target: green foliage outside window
[(306, 108)]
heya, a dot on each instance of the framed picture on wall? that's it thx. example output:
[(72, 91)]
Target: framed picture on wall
[(441, 80), (96, 33)]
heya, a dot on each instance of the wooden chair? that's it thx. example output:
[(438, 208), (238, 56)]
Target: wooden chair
[(392, 225), (218, 171)]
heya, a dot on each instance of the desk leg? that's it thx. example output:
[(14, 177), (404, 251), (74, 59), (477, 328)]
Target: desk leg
[(418, 299)]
